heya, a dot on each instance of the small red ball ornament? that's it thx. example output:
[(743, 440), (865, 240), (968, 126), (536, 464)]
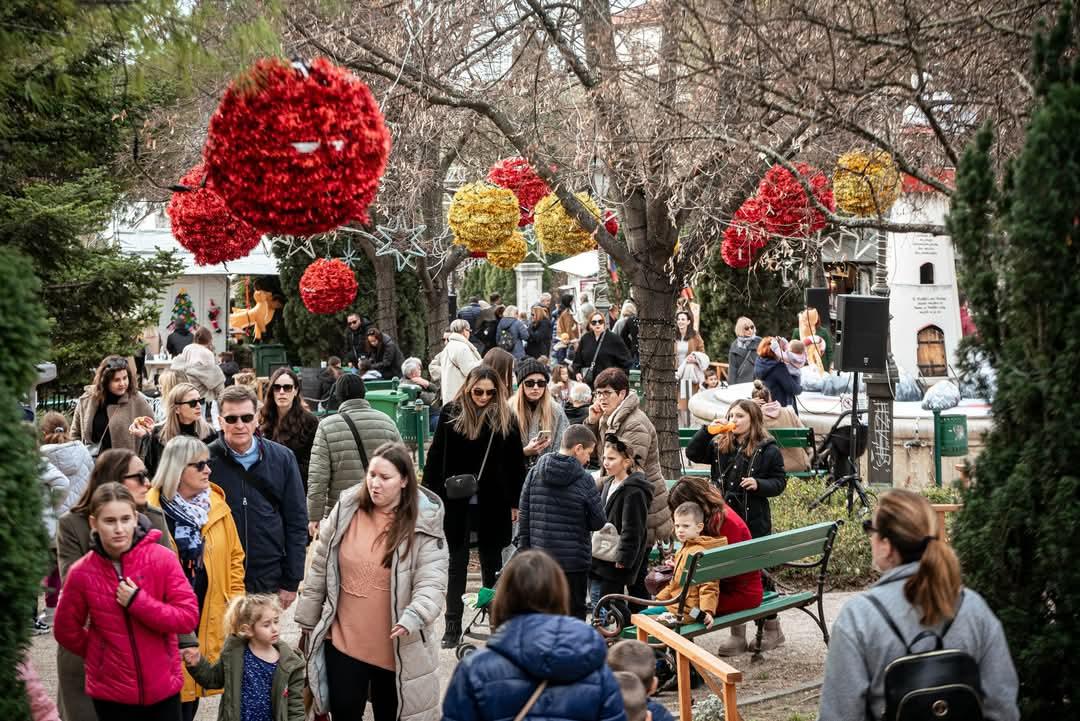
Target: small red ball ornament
[(327, 286), (297, 149), (611, 222), (787, 210), (515, 174), (202, 223)]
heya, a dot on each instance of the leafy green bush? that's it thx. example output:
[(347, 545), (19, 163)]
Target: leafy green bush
[(849, 566)]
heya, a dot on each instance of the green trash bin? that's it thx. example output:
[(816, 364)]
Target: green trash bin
[(954, 436), (386, 401), (267, 357), (413, 421)]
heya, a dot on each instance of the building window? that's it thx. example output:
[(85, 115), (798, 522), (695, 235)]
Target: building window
[(926, 273), (931, 352)]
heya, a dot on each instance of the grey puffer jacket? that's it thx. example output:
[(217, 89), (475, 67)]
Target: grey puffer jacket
[(862, 645), (75, 462), (417, 597), (335, 461), (634, 428)]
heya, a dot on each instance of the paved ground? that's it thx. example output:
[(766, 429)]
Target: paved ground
[(800, 661)]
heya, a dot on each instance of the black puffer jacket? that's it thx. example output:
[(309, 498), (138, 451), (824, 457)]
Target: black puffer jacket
[(765, 465), (386, 358), (559, 506), (628, 509)]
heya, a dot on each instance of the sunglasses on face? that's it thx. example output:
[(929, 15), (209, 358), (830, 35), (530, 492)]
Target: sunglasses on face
[(199, 465), (233, 420), (142, 476), (481, 393), (193, 403), (868, 527), (116, 364), (541, 383), (598, 321), (282, 387)]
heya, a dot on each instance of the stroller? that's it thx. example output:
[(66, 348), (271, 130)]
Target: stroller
[(472, 638)]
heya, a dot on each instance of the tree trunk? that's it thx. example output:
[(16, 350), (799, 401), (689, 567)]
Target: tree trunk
[(438, 314), (655, 304), (385, 289)]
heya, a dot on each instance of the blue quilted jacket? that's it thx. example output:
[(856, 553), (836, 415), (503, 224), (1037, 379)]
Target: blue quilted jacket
[(494, 683)]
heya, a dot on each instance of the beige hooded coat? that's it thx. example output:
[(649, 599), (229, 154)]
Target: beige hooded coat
[(417, 597)]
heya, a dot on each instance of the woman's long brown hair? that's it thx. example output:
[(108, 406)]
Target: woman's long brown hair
[(532, 582), (111, 467), (908, 521), (726, 441), (472, 418), (524, 410), (285, 428), (701, 491), (400, 532), (104, 375)]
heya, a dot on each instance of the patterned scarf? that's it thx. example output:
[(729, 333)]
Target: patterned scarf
[(189, 516)]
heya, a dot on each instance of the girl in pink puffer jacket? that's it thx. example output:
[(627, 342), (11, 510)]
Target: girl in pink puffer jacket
[(121, 608)]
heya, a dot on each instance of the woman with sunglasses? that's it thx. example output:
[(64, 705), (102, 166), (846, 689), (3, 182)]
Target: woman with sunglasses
[(540, 419), (599, 350), (183, 417), (207, 545), (109, 406), (285, 419), (476, 436), (73, 541)]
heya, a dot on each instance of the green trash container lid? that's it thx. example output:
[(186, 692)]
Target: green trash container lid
[(385, 401), (954, 436)]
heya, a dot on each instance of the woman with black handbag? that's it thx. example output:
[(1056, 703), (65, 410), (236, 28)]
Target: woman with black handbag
[(477, 467), (599, 350)]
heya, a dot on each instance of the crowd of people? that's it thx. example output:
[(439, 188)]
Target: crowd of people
[(181, 535)]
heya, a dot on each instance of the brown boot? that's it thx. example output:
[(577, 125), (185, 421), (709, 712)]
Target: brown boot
[(734, 645), (773, 635)]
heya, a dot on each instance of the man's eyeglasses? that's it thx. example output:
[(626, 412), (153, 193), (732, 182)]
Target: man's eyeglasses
[(199, 466), (354, 322), (233, 420), (282, 387), (541, 383), (483, 393), (868, 527), (142, 476), (193, 403)]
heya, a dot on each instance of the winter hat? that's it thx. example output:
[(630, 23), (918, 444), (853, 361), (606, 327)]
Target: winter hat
[(530, 366), (348, 387)]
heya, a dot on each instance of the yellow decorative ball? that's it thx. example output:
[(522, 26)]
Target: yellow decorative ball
[(560, 233), (483, 216), (866, 183), (510, 253)]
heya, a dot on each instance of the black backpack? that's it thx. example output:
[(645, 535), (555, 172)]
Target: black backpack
[(506, 339), (936, 685)]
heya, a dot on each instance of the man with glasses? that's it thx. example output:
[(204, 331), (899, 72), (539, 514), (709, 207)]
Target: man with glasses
[(262, 485), (356, 328)]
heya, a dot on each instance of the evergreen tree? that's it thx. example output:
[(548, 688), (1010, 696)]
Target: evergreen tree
[(22, 537), (1019, 534)]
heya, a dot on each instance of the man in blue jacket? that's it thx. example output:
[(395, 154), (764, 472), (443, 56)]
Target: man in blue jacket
[(261, 480), (559, 506)]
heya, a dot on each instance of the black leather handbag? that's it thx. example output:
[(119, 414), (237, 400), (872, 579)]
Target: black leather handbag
[(465, 485)]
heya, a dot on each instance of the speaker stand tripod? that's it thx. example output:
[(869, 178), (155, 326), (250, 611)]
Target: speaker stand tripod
[(851, 484)]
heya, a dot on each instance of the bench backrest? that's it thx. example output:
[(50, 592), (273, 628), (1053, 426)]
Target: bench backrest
[(792, 437), (685, 434), (761, 553)]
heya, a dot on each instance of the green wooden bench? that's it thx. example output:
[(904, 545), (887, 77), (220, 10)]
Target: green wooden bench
[(685, 436), (797, 438), (787, 548)]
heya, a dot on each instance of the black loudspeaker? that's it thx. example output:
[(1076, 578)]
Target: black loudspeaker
[(818, 298), (864, 333)]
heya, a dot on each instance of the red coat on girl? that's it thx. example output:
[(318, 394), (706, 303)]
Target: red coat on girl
[(744, 591), (131, 653)]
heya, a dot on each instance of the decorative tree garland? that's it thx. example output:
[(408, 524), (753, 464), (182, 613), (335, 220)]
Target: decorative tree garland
[(202, 223), (327, 286), (510, 253), (557, 231), (297, 149), (866, 184), (515, 174), (483, 216), (787, 211)]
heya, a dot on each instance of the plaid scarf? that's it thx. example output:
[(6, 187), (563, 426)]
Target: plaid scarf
[(188, 516)]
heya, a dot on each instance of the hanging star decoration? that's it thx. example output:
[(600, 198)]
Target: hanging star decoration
[(296, 245), (389, 239), (349, 256)]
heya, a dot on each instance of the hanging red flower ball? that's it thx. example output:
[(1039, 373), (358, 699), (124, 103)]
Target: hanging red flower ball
[(297, 149), (787, 210), (515, 174), (327, 286), (736, 254), (611, 222), (747, 225), (202, 223)]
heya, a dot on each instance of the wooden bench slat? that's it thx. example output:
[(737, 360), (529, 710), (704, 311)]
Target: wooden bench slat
[(718, 568), (771, 605)]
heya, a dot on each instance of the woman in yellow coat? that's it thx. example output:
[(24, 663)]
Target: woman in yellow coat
[(206, 542)]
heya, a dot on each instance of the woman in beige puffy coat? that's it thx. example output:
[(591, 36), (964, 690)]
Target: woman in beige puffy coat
[(796, 460), (377, 584)]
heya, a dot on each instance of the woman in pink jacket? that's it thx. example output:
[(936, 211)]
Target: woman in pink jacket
[(122, 606)]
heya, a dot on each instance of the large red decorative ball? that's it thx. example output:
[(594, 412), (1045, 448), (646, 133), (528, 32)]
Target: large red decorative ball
[(737, 255), (747, 226), (515, 174), (297, 149), (327, 286), (787, 210), (202, 223)]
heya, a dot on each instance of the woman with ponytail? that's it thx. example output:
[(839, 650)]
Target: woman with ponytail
[(921, 590)]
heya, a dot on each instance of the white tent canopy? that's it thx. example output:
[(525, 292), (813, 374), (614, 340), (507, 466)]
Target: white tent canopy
[(145, 242), (582, 265)]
